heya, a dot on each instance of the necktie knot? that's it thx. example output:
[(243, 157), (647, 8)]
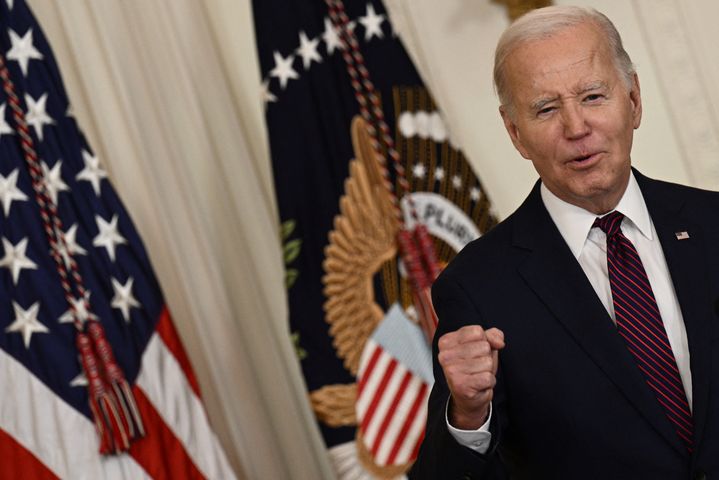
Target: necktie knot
[(610, 223)]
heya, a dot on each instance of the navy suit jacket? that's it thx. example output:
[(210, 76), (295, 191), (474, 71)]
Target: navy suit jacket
[(570, 401)]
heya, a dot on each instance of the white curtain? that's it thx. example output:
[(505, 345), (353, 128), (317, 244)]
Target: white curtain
[(168, 94)]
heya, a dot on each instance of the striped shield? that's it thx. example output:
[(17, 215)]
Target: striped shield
[(394, 381)]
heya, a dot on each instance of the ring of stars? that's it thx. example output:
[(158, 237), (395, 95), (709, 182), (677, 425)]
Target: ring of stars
[(308, 49)]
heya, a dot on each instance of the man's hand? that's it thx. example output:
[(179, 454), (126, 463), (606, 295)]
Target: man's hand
[(469, 359)]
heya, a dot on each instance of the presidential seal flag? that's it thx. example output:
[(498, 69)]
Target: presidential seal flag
[(95, 382), (374, 198)]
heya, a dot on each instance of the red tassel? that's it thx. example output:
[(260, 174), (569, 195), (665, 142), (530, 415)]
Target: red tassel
[(102, 432), (130, 421), (411, 249), (117, 418), (114, 421), (426, 249), (427, 315), (412, 261), (96, 392)]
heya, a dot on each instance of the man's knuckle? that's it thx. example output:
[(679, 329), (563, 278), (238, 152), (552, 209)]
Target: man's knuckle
[(471, 332), (442, 357), (486, 363), (487, 378), (444, 341)]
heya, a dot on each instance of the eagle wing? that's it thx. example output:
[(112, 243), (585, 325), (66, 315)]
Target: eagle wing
[(363, 238)]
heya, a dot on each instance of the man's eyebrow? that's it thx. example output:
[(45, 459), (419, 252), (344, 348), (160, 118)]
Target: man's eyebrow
[(539, 104), (593, 86), (542, 102)]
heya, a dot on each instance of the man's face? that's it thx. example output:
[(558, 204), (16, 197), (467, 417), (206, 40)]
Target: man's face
[(573, 116)]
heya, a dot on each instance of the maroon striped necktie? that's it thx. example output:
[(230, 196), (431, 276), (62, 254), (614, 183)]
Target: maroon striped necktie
[(640, 325)]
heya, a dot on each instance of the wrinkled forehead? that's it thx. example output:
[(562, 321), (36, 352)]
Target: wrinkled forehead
[(570, 44), (574, 55)]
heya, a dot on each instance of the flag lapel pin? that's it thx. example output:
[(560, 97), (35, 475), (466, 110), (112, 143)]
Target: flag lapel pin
[(681, 235)]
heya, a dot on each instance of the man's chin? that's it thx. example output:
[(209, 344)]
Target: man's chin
[(597, 198)]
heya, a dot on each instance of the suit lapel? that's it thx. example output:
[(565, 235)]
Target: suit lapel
[(556, 277), (687, 262)]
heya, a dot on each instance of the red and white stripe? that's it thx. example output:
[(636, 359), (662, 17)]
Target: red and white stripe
[(391, 407), (47, 438)]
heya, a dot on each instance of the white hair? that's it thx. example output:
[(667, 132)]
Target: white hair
[(545, 22)]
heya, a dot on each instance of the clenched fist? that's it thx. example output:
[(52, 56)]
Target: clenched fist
[(469, 359)]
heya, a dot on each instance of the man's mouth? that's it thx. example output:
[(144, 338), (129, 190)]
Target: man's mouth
[(584, 158)]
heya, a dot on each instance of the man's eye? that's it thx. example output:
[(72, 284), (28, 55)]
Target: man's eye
[(593, 97), (545, 110)]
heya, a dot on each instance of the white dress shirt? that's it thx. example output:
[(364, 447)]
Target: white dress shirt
[(589, 246)]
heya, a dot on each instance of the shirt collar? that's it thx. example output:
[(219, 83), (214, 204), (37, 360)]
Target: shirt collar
[(574, 223)]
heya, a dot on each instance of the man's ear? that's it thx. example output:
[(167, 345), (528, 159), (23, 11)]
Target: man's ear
[(513, 131), (635, 96)]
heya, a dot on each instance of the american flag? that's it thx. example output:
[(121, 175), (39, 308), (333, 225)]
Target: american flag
[(393, 385), (46, 423)]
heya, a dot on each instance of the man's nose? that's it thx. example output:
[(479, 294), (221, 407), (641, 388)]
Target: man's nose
[(575, 122)]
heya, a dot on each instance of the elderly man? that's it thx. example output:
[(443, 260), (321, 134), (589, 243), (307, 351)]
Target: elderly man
[(579, 338)]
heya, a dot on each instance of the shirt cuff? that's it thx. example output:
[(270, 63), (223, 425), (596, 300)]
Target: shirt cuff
[(477, 440)]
